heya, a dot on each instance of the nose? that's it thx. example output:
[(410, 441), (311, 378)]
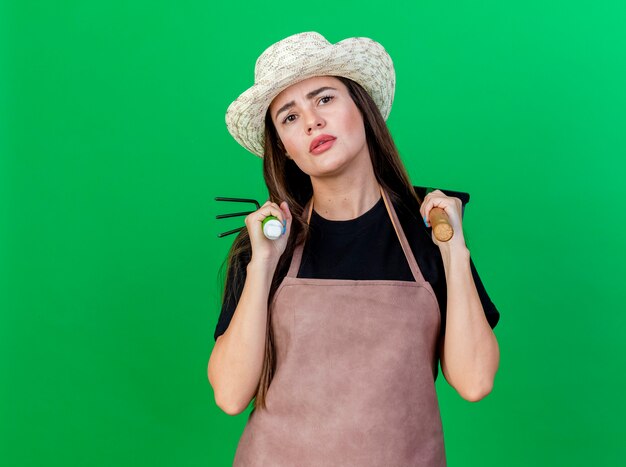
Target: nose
[(314, 120)]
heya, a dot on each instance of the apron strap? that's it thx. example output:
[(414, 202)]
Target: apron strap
[(408, 253)]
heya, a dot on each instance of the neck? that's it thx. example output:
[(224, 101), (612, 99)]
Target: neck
[(346, 197)]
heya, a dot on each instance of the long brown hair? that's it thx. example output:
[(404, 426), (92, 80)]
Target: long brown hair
[(286, 182)]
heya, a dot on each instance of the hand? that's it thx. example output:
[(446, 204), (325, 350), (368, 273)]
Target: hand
[(264, 249), (453, 207)]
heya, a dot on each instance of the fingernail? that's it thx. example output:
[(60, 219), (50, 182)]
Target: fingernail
[(284, 226), (425, 221)]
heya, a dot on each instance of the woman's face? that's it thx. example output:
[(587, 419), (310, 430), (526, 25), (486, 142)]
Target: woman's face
[(320, 127)]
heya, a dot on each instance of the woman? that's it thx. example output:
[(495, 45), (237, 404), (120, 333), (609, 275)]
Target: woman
[(334, 329)]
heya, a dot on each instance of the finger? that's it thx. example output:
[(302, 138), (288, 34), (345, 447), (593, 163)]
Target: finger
[(269, 203), (288, 218), (273, 210), (448, 206), (274, 206), (425, 204), (265, 211), (435, 201), (285, 208), (426, 207)]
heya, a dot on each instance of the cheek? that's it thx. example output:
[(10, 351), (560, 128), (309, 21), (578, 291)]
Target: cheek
[(290, 148), (284, 137), (356, 129), (353, 122)]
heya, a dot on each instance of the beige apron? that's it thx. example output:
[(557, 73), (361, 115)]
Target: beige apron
[(354, 381)]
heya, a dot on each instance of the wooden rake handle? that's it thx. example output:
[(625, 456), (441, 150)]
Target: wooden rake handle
[(440, 223)]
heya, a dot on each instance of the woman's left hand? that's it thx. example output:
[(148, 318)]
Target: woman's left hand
[(453, 208)]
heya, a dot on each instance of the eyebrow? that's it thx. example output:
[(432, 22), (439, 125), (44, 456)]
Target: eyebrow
[(310, 95)]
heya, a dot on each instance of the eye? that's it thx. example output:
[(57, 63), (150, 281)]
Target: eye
[(288, 118), (326, 99)]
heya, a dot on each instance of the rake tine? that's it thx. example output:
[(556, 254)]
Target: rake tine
[(235, 214), (239, 200), (223, 234)]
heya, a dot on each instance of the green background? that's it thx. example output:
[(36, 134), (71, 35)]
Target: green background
[(113, 146)]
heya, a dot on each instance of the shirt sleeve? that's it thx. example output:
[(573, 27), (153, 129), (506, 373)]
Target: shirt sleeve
[(233, 289)]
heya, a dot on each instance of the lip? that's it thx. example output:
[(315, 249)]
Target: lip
[(321, 143)]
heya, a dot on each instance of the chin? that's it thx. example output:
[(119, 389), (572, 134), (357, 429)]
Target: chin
[(327, 162)]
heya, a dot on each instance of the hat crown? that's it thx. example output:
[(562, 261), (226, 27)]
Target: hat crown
[(286, 51)]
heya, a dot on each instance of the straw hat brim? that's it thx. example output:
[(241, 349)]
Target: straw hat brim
[(358, 58)]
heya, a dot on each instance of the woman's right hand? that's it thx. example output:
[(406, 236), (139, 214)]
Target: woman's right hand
[(264, 249)]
